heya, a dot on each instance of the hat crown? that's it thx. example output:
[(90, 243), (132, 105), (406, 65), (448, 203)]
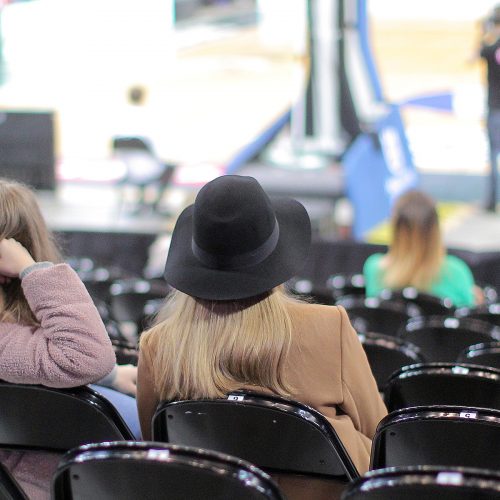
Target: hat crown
[(232, 216)]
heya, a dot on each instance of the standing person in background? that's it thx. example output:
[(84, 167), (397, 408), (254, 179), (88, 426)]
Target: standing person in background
[(50, 330), (490, 52), (229, 323), (418, 258)]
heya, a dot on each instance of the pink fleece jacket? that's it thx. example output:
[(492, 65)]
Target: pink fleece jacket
[(70, 348)]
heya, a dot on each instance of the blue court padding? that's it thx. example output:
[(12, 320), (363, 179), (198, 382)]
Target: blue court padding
[(378, 168), (439, 101), (253, 148)]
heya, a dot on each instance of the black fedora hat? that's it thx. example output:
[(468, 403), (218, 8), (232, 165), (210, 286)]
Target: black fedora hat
[(235, 242)]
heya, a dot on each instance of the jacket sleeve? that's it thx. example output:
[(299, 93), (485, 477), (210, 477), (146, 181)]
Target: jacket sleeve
[(361, 399), (70, 347), (147, 401)]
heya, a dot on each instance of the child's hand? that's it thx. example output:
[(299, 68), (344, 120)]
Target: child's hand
[(14, 258)]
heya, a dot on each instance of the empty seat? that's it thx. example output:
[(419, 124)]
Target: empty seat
[(387, 354), (143, 169), (425, 482), (377, 315), (443, 384), (340, 285), (442, 338), (490, 293), (485, 312), (97, 278), (304, 287), (438, 435), (428, 304), (279, 435), (487, 354), (128, 298), (149, 471)]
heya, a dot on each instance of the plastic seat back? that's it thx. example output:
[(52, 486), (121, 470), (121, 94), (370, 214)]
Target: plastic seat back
[(388, 354), (442, 338), (438, 435), (377, 315), (485, 312), (430, 305), (273, 433), (341, 285), (37, 417), (128, 298), (443, 384), (425, 482), (486, 354), (149, 471)]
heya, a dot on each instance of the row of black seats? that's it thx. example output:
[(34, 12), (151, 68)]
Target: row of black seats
[(443, 383), (388, 354), (122, 299), (342, 284), (294, 443)]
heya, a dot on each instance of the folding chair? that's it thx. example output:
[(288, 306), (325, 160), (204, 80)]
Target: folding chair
[(37, 417), (129, 297), (149, 471), (442, 338), (341, 284), (425, 482), (487, 354), (443, 384), (438, 435), (377, 315), (485, 312), (429, 305), (284, 437), (143, 169), (388, 354), (304, 287)]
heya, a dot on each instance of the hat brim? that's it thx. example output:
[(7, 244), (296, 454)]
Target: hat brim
[(184, 272)]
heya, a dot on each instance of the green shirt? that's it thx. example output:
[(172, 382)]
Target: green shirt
[(455, 280)]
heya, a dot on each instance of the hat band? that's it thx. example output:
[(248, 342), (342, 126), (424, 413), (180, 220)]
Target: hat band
[(231, 262)]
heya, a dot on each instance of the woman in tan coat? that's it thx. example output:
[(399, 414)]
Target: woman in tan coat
[(230, 325)]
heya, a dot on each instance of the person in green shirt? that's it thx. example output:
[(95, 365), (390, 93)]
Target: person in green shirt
[(418, 258)]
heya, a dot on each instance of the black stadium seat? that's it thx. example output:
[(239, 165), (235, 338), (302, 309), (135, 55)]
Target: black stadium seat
[(29, 414), (485, 312), (281, 436), (438, 435), (429, 305), (346, 284), (377, 315), (443, 384), (425, 483), (443, 338), (487, 354), (128, 298), (151, 471), (388, 354)]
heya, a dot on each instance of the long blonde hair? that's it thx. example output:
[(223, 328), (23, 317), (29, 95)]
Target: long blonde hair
[(416, 252), (21, 219), (205, 348)]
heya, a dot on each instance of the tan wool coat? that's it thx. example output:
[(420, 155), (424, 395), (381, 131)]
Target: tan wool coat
[(328, 369)]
